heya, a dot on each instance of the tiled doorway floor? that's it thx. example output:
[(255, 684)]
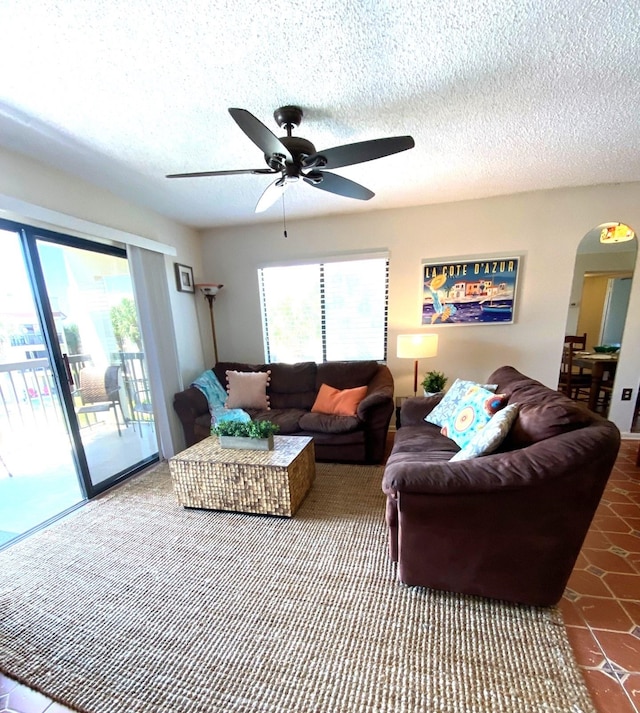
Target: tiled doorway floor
[(601, 606)]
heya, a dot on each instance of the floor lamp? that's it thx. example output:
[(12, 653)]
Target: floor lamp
[(417, 346), (210, 290)]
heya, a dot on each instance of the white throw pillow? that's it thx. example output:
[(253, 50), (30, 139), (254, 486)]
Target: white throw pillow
[(247, 389)]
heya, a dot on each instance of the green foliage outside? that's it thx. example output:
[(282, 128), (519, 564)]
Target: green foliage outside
[(245, 429), (124, 321), (302, 311), (72, 338)]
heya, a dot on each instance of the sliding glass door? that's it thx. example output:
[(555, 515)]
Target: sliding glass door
[(76, 413), (103, 356), (38, 474)]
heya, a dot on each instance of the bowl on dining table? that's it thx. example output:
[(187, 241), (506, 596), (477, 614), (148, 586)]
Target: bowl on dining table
[(606, 349)]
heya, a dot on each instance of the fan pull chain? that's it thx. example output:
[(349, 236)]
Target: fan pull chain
[(284, 217)]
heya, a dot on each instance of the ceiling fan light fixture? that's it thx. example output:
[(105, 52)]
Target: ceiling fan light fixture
[(616, 233)]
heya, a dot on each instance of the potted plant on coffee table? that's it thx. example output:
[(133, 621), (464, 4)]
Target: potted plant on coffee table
[(434, 382), (247, 435)]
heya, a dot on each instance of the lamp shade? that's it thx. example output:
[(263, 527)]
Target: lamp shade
[(209, 288), (417, 346)]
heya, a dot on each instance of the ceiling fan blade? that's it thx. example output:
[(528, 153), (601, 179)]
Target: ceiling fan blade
[(334, 183), (221, 173), (348, 154), (271, 194), (261, 136)]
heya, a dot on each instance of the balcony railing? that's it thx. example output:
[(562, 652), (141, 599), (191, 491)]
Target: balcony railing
[(27, 389)]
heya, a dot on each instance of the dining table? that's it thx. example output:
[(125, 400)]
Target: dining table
[(602, 368)]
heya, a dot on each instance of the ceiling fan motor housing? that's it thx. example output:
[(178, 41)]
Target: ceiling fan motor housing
[(288, 117), (298, 148)]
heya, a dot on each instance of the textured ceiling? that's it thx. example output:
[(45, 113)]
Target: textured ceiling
[(500, 97)]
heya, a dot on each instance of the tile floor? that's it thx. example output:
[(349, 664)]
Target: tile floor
[(601, 606)]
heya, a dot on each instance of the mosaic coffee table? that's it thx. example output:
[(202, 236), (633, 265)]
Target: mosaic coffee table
[(264, 482)]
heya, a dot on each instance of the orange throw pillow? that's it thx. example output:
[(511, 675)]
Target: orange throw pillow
[(338, 403)]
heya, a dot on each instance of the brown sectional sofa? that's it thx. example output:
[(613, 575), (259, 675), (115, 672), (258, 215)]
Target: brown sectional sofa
[(508, 525), (292, 391)]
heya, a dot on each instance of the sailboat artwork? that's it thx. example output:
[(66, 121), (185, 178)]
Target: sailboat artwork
[(479, 291)]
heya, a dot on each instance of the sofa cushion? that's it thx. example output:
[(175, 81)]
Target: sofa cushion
[(287, 419), (221, 368), (303, 400), (487, 439), (543, 413), (328, 423), (473, 413), (448, 405), (421, 444), (337, 442), (539, 421), (338, 402), (292, 385), (346, 374), (508, 379), (247, 390), (293, 378)]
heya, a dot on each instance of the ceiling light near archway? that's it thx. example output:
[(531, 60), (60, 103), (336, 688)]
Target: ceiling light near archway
[(616, 233)]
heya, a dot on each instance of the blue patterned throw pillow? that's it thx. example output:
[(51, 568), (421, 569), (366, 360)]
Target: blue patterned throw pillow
[(473, 413), (443, 412), (487, 439)]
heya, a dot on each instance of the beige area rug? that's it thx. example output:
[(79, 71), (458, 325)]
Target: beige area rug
[(136, 604)]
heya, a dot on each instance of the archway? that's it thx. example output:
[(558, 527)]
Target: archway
[(604, 267)]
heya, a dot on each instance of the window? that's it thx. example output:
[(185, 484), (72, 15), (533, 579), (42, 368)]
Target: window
[(334, 310)]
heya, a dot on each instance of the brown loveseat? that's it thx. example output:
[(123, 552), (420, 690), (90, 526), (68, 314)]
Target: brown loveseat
[(292, 391), (508, 525)]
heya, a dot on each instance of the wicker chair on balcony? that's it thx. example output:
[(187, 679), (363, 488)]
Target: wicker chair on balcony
[(99, 392)]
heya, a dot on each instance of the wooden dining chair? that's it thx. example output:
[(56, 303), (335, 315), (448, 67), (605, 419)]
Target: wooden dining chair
[(577, 341), (574, 381), (605, 393)]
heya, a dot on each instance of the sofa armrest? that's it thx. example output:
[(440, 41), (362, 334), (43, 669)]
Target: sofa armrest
[(414, 409), (379, 394), (189, 404), (373, 401), (375, 412)]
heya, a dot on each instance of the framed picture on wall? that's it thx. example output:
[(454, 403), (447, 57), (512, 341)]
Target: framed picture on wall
[(473, 291), (184, 278)]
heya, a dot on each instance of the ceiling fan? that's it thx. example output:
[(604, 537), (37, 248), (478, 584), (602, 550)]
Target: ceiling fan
[(295, 158)]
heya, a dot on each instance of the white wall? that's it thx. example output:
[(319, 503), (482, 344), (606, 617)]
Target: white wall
[(28, 182), (545, 228)]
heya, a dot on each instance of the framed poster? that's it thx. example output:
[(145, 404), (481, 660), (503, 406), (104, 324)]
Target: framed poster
[(476, 291), (184, 278)]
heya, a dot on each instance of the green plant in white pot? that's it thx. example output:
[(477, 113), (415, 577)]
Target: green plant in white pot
[(434, 382), (250, 435)]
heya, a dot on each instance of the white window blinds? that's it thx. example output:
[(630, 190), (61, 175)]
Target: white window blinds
[(326, 311)]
